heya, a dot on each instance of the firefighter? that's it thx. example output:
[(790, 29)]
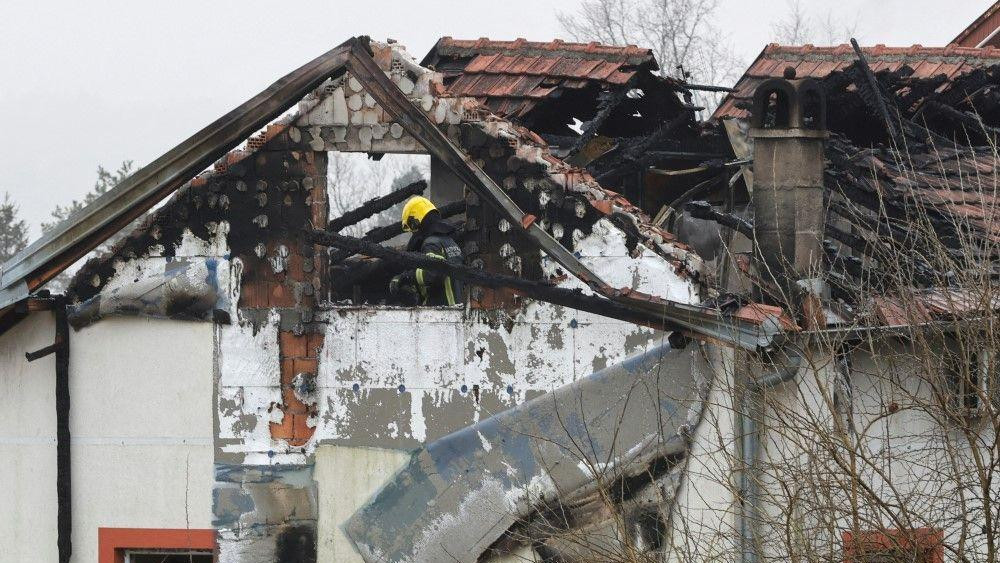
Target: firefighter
[(434, 237)]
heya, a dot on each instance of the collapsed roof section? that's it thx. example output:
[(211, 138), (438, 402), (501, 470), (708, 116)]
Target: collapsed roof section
[(910, 176), (597, 106), (941, 64)]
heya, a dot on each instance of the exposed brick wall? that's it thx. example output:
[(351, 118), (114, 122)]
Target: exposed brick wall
[(284, 271), (299, 366)]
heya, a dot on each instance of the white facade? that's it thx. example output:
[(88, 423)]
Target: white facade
[(141, 424)]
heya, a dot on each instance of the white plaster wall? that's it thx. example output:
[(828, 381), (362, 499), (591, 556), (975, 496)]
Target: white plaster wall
[(141, 425), (347, 477), (141, 421), (394, 377), (908, 446), (704, 522), (27, 443)]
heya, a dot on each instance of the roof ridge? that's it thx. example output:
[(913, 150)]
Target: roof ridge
[(881, 49)]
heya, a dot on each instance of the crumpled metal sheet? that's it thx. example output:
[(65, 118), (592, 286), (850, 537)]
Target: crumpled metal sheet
[(178, 288), (459, 494)]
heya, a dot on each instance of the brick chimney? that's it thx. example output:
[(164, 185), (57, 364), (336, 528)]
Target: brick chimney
[(789, 130)]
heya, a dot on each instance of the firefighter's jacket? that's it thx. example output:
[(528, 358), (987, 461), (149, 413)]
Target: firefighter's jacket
[(436, 288)]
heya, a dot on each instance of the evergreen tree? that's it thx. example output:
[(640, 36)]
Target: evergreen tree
[(105, 181), (13, 231)]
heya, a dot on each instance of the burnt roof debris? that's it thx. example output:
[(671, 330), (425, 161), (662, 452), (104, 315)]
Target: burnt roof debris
[(597, 106), (944, 64), (910, 170), (482, 150)]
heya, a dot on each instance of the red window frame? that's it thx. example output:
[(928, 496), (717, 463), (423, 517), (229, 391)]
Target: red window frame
[(928, 540), (112, 542)]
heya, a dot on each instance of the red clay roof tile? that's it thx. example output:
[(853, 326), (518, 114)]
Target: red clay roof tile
[(523, 70), (820, 62)]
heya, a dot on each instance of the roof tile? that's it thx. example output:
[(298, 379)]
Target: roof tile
[(506, 71), (820, 62)]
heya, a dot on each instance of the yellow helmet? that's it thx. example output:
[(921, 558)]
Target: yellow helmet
[(414, 212)]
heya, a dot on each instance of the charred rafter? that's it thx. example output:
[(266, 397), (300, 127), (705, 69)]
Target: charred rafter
[(542, 291), (704, 210), (376, 205), (609, 101)]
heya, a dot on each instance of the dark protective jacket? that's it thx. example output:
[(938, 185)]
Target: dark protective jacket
[(437, 239)]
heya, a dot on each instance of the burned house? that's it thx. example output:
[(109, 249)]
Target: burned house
[(240, 361), (869, 214), (244, 387), (910, 129)]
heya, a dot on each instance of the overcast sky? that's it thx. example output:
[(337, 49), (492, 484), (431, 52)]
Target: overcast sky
[(97, 82)]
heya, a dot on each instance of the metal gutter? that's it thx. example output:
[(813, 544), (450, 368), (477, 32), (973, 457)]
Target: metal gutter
[(74, 238)]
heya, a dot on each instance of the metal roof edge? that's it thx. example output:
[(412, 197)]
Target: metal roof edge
[(56, 250)]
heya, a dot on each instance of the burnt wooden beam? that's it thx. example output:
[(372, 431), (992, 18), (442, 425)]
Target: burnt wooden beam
[(700, 189), (667, 129), (542, 291), (849, 239), (376, 205), (607, 106), (704, 210), (873, 89), (972, 122), (686, 155), (393, 230), (708, 88)]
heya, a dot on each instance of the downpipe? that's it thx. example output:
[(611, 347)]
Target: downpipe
[(752, 411), (60, 347)]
